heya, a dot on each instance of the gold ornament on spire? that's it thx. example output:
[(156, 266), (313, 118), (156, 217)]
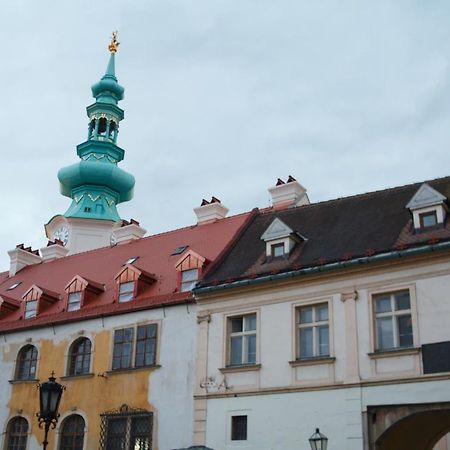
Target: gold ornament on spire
[(114, 44)]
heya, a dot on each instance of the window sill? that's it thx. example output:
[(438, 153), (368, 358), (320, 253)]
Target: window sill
[(32, 381), (132, 369), (81, 375), (313, 361), (394, 352), (242, 368)]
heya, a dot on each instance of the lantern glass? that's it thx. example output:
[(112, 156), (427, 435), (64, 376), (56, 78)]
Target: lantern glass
[(50, 395), (318, 441)]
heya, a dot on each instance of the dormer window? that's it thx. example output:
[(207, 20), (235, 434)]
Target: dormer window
[(30, 309), (428, 208), (428, 219), (189, 267), (74, 302), (38, 300), (126, 291), (277, 250), (280, 239), (80, 291), (132, 281), (188, 279)]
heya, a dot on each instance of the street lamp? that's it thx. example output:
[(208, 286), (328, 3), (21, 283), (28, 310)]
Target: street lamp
[(318, 441), (50, 393)]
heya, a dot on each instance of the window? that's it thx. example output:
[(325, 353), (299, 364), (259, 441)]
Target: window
[(131, 260), (179, 250), (17, 434), (313, 331), (277, 250), (127, 355), (13, 286), (30, 309), (145, 345), (428, 219), (72, 433), (80, 357), (188, 279), (242, 340), (126, 291), (26, 363), (126, 429), (74, 302), (393, 320), (239, 428)]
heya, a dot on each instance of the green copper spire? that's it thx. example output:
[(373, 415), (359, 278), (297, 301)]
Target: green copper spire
[(96, 184)]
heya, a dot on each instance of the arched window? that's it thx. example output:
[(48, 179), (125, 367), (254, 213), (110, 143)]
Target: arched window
[(102, 126), (26, 363), (17, 432), (72, 433), (80, 357)]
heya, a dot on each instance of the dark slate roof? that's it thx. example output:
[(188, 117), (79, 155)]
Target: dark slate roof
[(336, 230)]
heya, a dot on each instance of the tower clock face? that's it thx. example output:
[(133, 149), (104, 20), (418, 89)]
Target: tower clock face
[(62, 233)]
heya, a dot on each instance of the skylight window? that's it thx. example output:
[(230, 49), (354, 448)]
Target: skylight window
[(13, 286), (131, 260), (179, 250)]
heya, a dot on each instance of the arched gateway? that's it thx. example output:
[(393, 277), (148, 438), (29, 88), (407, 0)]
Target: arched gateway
[(407, 427)]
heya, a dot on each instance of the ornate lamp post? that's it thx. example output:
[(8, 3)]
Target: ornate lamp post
[(50, 393), (318, 441)]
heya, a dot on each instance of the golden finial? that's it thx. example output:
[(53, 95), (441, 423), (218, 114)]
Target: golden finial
[(114, 44)]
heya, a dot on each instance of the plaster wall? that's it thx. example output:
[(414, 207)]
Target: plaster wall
[(166, 390), (282, 394), (286, 421)]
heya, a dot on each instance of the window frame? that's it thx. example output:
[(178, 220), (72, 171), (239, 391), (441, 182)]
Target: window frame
[(8, 434), (227, 339), (70, 356), (315, 324), (371, 294), (422, 215), (128, 292), (61, 429), (18, 363), (134, 346), (181, 282), (26, 311)]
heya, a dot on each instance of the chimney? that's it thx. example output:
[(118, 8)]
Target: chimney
[(210, 211), (128, 231), (21, 257), (288, 194), (54, 250)]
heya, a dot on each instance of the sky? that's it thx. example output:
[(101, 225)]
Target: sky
[(222, 97)]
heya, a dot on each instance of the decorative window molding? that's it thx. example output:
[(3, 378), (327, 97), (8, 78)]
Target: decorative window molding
[(313, 331), (131, 282), (40, 299), (242, 340), (189, 267), (80, 291), (393, 324), (280, 239), (428, 208)]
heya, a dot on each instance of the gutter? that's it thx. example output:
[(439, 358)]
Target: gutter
[(325, 267)]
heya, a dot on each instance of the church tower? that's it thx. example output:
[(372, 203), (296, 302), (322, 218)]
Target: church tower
[(95, 184)]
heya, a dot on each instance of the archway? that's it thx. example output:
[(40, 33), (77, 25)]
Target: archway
[(408, 427)]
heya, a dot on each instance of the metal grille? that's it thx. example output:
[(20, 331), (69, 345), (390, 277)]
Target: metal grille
[(126, 429)]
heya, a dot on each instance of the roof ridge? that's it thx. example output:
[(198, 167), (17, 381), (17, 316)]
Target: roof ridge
[(364, 194)]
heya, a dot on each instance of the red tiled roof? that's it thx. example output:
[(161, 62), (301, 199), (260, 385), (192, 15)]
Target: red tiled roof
[(102, 265)]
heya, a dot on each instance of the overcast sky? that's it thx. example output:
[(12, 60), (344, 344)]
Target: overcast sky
[(221, 98)]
